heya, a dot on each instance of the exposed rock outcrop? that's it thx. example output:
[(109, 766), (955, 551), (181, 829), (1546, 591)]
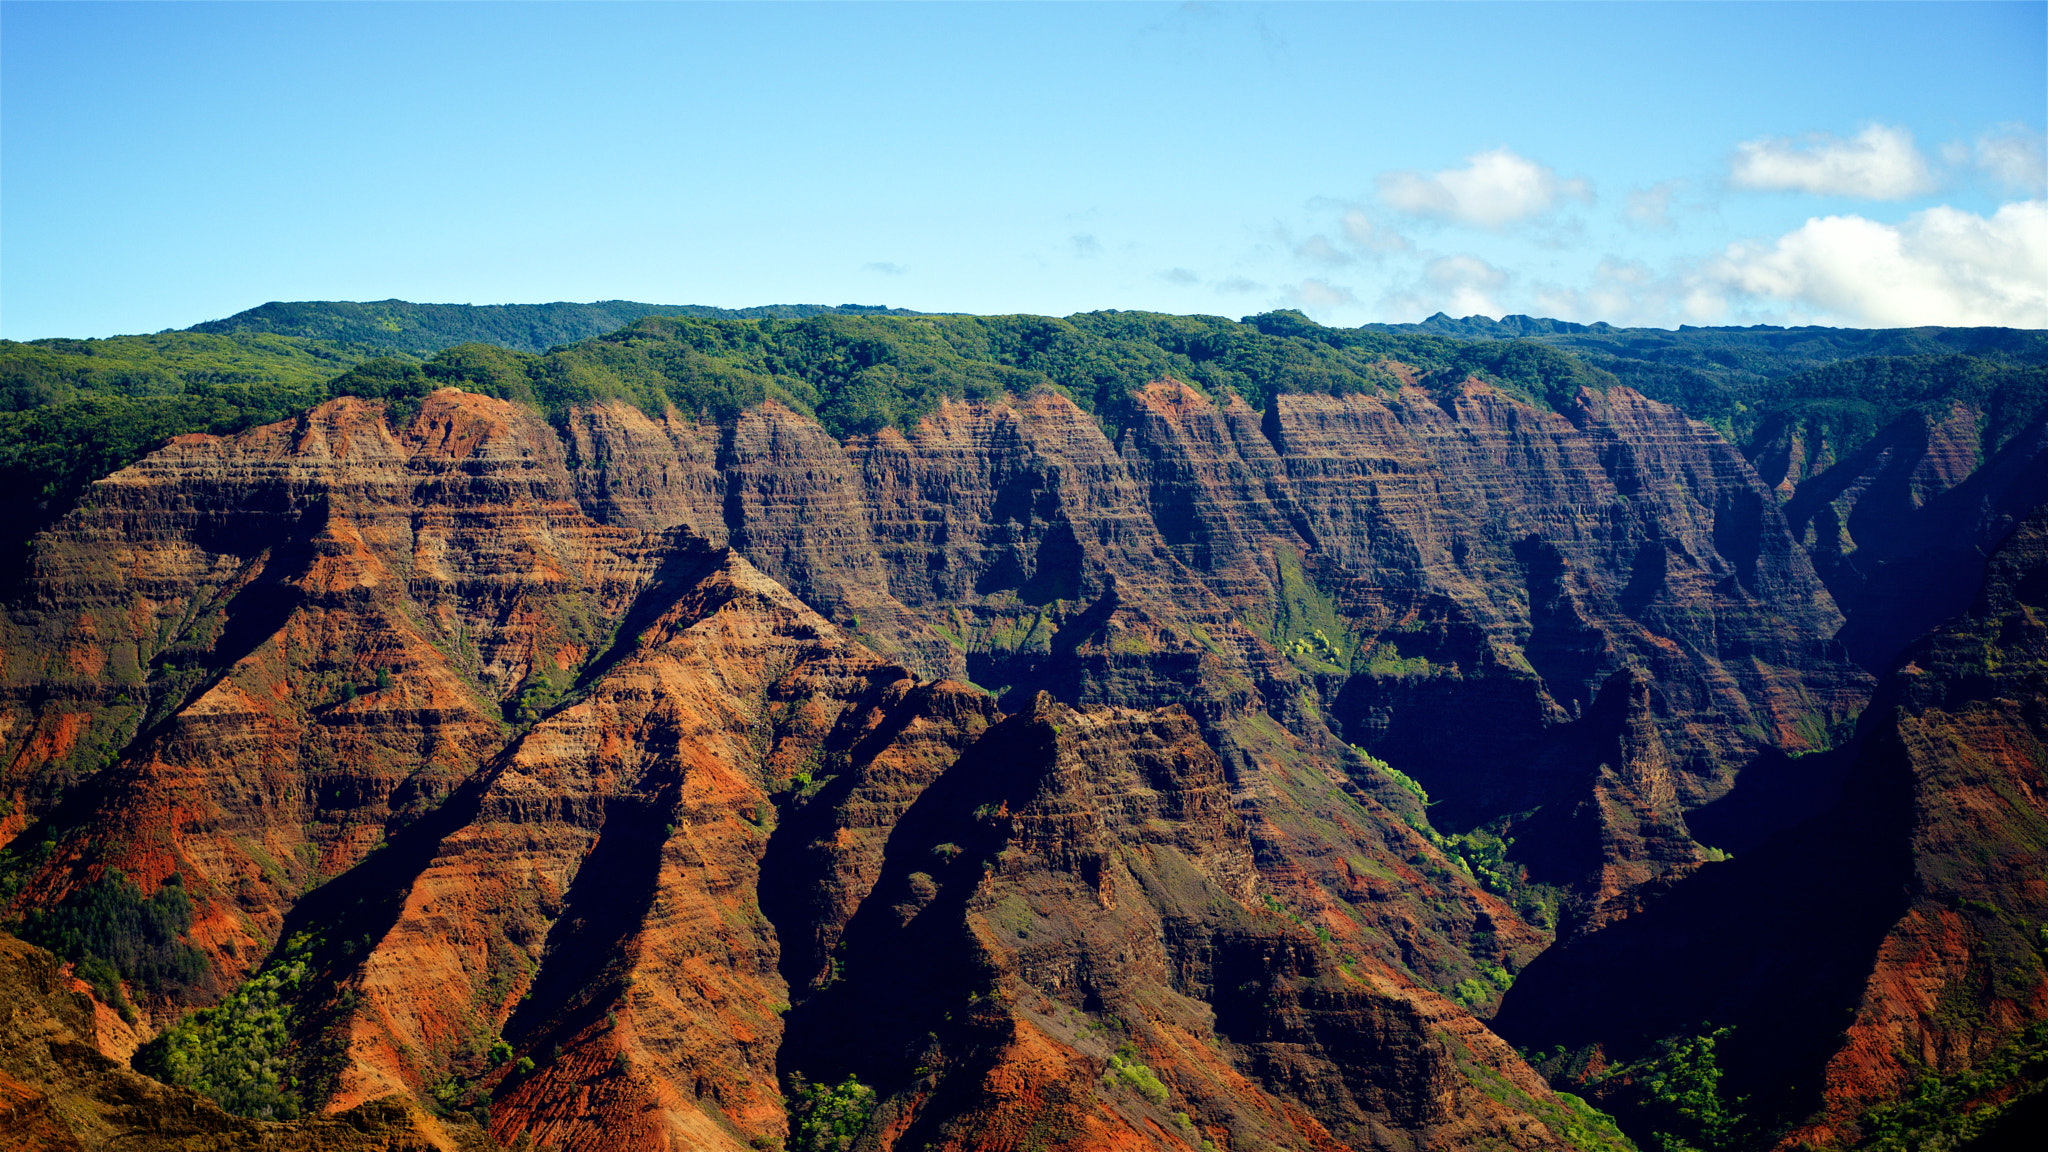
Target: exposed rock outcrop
[(1448, 581), (1894, 937), (1901, 528), (607, 775), (564, 817), (1099, 908), (289, 644), (59, 1094)]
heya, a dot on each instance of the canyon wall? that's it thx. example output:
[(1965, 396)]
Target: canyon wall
[(603, 781)]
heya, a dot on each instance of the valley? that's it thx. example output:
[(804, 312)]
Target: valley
[(844, 728)]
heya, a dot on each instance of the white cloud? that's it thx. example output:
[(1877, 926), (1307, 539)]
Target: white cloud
[(1374, 238), (1493, 190), (1319, 249), (1459, 285), (1238, 286), (1179, 276), (1879, 164), (1468, 283), (1941, 266), (1320, 295), (1629, 293), (1651, 207), (2015, 158), (885, 268)]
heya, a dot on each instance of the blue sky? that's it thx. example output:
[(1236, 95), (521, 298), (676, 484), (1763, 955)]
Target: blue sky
[(1879, 165)]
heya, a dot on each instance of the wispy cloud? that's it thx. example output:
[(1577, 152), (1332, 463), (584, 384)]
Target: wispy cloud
[(1085, 244), (2015, 158), (1461, 285), (1879, 163), (1468, 282), (1651, 207), (1493, 190), (1319, 249), (885, 268), (1376, 239), (1321, 296), (1941, 266), (1238, 286), (1180, 276), (1629, 293)]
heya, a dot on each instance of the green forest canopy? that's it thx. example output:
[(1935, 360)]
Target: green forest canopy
[(74, 410), (424, 329)]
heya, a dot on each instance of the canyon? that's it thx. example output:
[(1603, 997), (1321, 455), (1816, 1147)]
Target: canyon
[(1355, 770)]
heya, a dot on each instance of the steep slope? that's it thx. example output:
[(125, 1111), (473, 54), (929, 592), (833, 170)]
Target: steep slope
[(597, 905), (1895, 938), (59, 1094), (481, 803), (1449, 581), (615, 778), (278, 648), (1901, 528), (1105, 965)]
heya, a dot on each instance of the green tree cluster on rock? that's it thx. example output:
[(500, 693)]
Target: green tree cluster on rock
[(1125, 1068), (1671, 1099), (236, 1051), (1952, 1111), (115, 934), (825, 1118), (1846, 404), (72, 411)]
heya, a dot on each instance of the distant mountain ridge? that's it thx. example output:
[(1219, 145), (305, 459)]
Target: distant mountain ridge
[(1844, 341), (424, 329)]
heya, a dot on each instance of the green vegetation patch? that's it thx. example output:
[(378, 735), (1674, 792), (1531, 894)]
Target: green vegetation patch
[(1571, 1118), (72, 411), (825, 1118), (1671, 1100), (114, 934), (1845, 404), (1124, 1068), (1302, 621), (236, 1052), (1949, 1111), (423, 329)]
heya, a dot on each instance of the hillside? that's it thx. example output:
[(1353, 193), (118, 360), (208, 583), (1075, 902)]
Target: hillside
[(1907, 919), (993, 732), (404, 328), (1743, 380)]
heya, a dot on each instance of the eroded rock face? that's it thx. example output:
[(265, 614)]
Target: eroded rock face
[(1881, 940), (612, 773), (1099, 905), (1447, 581), (1966, 716), (600, 906), (298, 640), (572, 816), (1901, 528), (59, 1094)]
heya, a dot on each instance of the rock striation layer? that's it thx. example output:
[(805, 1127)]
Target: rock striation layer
[(582, 830), (1446, 580), (59, 1094), (1891, 938), (1901, 528)]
